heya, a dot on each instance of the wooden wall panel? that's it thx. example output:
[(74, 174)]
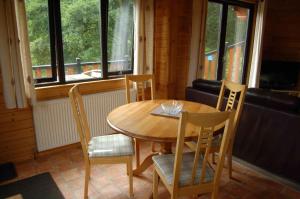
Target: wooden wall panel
[(17, 141), (182, 40), (282, 31), (162, 46), (172, 33)]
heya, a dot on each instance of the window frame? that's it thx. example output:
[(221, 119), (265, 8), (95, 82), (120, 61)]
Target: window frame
[(221, 44), (56, 48)]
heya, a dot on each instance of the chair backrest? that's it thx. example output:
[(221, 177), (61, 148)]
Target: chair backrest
[(234, 89), (80, 118), (203, 124), (141, 84)]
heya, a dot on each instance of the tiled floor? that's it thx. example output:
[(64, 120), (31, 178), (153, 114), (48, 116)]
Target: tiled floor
[(111, 181)]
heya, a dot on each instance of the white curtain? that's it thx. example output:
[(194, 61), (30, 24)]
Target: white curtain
[(14, 55), (122, 31), (143, 37), (257, 45), (197, 40)]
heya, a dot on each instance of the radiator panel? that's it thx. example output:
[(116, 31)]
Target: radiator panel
[(55, 125)]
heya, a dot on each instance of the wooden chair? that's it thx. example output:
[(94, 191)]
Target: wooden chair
[(189, 173), (141, 84), (106, 149), (234, 89), (141, 81)]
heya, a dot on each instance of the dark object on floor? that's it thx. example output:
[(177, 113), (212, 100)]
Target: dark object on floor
[(36, 187), (7, 171)]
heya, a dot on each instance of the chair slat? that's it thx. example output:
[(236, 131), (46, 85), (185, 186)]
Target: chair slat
[(141, 83)]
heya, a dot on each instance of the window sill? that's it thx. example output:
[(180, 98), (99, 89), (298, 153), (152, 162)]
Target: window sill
[(61, 91)]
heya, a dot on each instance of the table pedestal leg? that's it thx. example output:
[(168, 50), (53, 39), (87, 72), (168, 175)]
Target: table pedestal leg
[(145, 165), (165, 148)]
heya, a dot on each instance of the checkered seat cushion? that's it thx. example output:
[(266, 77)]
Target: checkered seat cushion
[(165, 163), (110, 145)]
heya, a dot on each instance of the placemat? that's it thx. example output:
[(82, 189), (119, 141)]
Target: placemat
[(160, 112)]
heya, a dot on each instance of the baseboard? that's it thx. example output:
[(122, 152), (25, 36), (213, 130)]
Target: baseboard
[(57, 150), (269, 175)]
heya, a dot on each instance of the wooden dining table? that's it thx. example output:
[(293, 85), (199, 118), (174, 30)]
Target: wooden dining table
[(137, 121)]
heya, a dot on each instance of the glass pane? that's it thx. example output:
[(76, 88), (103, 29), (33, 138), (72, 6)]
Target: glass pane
[(212, 40), (236, 35), (120, 35), (81, 39), (38, 30)]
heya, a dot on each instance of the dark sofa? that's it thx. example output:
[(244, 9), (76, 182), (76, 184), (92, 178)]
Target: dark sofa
[(268, 134)]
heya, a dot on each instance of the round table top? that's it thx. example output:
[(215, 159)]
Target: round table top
[(135, 120)]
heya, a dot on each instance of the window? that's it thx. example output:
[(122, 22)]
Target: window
[(80, 40), (228, 28)]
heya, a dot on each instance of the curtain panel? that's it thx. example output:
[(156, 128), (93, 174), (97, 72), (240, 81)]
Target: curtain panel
[(143, 38), (14, 55), (257, 45), (25, 51), (198, 40)]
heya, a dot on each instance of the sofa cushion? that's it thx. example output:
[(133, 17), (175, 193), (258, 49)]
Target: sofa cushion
[(258, 96), (275, 100), (211, 86)]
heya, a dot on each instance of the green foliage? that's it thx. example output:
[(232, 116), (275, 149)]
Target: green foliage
[(236, 27), (37, 15), (81, 30), (213, 26)]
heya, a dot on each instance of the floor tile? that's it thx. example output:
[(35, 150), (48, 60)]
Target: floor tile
[(111, 181)]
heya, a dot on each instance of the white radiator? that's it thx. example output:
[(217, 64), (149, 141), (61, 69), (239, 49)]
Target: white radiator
[(55, 125)]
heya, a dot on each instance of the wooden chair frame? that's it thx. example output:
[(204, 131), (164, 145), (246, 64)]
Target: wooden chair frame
[(234, 88), (206, 123), (85, 136), (141, 81)]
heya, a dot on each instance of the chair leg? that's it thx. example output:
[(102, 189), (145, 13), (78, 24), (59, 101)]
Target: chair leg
[(173, 196), (229, 161), (153, 147), (214, 194), (137, 153), (213, 158), (86, 180), (155, 184), (129, 170)]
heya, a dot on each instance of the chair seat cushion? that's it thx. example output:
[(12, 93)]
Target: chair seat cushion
[(110, 145), (165, 163)]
